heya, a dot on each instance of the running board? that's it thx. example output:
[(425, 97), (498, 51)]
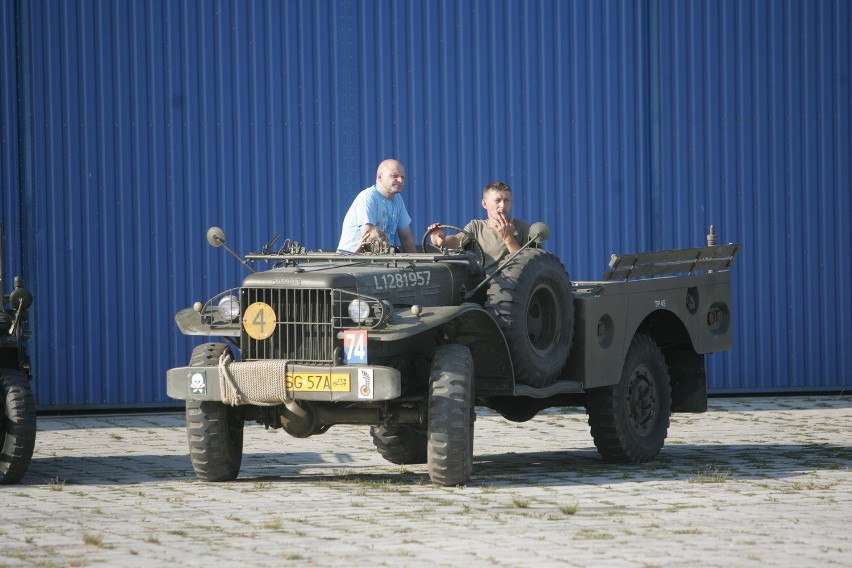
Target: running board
[(559, 387)]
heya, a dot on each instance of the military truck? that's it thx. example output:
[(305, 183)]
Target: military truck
[(410, 344), (18, 427)]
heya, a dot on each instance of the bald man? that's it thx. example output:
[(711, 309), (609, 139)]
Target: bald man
[(380, 206)]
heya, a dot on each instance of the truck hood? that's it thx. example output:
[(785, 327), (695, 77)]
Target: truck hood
[(401, 283)]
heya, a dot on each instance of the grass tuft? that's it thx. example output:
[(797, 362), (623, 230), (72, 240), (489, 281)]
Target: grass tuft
[(568, 509), (712, 474)]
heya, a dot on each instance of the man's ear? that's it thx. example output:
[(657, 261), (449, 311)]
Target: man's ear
[(484, 204)]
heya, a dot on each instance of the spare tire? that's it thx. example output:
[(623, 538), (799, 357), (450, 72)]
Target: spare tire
[(532, 301)]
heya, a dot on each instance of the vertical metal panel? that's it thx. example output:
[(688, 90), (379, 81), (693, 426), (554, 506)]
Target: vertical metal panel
[(9, 170), (755, 121), (624, 125)]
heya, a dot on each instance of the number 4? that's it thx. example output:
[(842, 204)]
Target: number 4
[(259, 321)]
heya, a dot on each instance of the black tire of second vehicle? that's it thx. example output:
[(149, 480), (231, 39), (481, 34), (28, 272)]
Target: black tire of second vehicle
[(214, 429), (532, 301), (18, 428), (630, 420), (400, 443), (451, 416)]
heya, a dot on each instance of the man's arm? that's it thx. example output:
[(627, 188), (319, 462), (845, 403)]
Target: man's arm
[(365, 240), (406, 239), (439, 239), (511, 243)]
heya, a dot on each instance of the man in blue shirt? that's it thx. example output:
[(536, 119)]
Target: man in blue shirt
[(379, 206)]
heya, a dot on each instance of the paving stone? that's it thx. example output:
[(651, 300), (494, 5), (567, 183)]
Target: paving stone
[(752, 482)]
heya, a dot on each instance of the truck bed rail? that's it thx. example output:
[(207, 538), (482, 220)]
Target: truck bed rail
[(669, 262)]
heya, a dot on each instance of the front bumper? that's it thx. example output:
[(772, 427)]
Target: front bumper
[(263, 383)]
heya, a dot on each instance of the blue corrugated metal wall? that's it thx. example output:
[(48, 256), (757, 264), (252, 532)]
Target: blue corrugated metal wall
[(755, 131), (625, 125), (10, 172)]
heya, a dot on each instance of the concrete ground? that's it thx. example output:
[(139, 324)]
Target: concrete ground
[(753, 482)]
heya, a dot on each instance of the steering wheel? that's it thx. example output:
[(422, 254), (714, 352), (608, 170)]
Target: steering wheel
[(470, 238)]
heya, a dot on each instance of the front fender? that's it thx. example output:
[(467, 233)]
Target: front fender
[(404, 324), (467, 324), (189, 322)]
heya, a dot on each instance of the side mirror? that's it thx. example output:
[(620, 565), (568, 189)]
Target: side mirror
[(215, 236), (20, 298), (539, 232)]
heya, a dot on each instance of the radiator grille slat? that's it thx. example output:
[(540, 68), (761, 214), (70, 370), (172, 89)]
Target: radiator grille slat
[(304, 331)]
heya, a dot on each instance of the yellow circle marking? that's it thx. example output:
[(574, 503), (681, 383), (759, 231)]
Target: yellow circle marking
[(259, 320)]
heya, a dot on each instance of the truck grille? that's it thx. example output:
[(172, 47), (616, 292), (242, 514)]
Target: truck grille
[(304, 329)]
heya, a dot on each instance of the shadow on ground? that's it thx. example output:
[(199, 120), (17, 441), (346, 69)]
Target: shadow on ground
[(515, 468)]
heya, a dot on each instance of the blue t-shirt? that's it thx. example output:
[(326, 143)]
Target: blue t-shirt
[(370, 206)]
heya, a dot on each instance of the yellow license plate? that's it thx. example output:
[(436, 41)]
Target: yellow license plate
[(317, 382)]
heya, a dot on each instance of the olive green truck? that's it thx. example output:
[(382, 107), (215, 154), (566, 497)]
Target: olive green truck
[(410, 344)]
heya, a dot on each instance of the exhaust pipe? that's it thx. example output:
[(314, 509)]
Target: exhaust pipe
[(301, 419)]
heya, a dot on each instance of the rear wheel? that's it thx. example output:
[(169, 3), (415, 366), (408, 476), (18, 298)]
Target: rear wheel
[(214, 429), (400, 443), (18, 427), (630, 420), (451, 416)]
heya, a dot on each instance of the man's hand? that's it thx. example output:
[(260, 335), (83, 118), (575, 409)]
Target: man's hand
[(366, 238), (505, 229), (436, 235), (440, 239), (364, 243), (504, 226)]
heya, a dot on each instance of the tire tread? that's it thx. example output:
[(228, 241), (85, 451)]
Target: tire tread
[(451, 416), (214, 431), (613, 438), (19, 426)]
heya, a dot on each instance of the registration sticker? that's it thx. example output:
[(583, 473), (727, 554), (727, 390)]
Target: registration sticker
[(355, 346), (365, 383)]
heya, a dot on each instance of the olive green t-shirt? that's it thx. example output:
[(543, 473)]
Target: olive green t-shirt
[(492, 245)]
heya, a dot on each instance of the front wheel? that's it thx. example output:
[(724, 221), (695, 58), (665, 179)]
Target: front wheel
[(630, 420), (451, 416), (18, 427), (214, 429)]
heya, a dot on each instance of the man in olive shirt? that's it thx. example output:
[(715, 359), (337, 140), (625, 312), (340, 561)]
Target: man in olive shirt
[(499, 235)]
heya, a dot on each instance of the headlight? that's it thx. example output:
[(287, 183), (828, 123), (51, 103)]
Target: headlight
[(359, 310), (229, 308)]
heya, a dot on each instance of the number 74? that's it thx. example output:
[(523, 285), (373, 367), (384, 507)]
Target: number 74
[(355, 346)]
